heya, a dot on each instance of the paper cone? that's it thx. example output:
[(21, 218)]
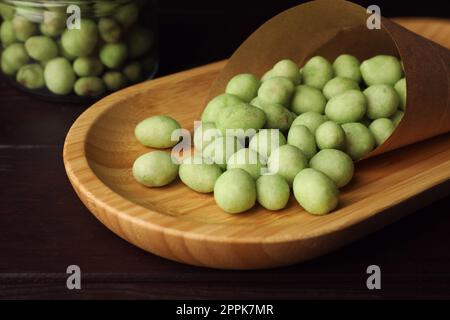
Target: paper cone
[(333, 27)]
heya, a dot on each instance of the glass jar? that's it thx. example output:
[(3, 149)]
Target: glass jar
[(77, 50)]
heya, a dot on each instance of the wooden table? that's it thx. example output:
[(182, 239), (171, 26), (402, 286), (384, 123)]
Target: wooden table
[(44, 228)]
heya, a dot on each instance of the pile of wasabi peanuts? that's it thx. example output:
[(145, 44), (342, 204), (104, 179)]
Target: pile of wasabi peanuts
[(309, 125), (108, 52)]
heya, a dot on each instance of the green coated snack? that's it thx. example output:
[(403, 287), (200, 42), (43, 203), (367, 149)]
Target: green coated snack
[(248, 160), (53, 25), (113, 55), (6, 68), (317, 72), (221, 149), (7, 35), (330, 135), (31, 76), (339, 85), (59, 76), (255, 102), (347, 66), (302, 138), (199, 175), (218, 104), (337, 165), (133, 72), (397, 117), (89, 86), (14, 57), (267, 140), (63, 52), (381, 69), (267, 75), (87, 67), (109, 30), (272, 192), (359, 141), (315, 192), (349, 106), (306, 99), (381, 129), (244, 85), (242, 116), (288, 69), (7, 11), (382, 101), (400, 87), (80, 42), (312, 120), (155, 169), (139, 42), (287, 161), (23, 29), (204, 134), (276, 90), (41, 48), (278, 117), (127, 14), (235, 191), (114, 80), (156, 131)]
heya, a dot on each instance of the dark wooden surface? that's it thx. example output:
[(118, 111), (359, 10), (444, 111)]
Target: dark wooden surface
[(44, 228)]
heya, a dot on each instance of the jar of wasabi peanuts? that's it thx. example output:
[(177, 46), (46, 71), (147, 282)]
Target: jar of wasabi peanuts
[(77, 50)]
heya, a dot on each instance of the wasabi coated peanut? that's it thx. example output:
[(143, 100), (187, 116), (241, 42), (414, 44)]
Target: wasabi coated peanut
[(217, 104), (317, 72), (306, 99), (276, 90), (337, 165), (199, 175), (64, 53), (114, 80), (382, 129), (287, 161), (339, 85), (6, 68), (255, 102), (23, 29), (7, 11), (243, 116), (155, 169), (7, 35), (87, 66), (400, 87), (80, 42), (53, 24), (266, 141), (302, 138), (288, 69), (267, 75), (59, 76), (311, 120), (382, 101), (109, 30), (330, 135), (204, 134), (31, 76), (381, 69), (139, 42), (89, 86), (113, 55), (349, 106), (235, 191), (278, 117), (347, 66), (272, 192), (156, 131), (221, 149), (14, 57), (133, 72), (315, 192), (359, 141), (41, 48), (248, 160), (244, 85), (127, 14), (397, 117)]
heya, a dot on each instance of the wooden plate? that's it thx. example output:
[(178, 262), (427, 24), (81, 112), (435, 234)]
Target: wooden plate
[(180, 224)]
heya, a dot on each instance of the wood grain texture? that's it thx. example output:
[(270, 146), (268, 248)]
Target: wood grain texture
[(180, 224)]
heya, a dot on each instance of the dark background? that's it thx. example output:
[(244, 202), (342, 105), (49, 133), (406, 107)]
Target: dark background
[(197, 32)]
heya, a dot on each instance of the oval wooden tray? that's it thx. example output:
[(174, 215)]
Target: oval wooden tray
[(180, 224)]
